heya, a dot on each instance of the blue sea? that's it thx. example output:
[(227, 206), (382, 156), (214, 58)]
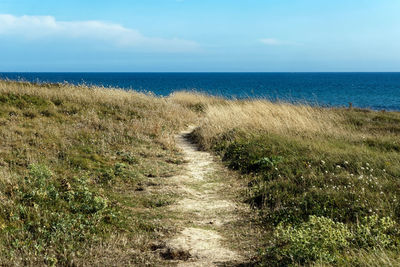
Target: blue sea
[(379, 91)]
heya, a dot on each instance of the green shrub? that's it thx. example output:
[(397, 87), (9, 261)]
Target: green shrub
[(324, 240), (318, 239), (376, 232)]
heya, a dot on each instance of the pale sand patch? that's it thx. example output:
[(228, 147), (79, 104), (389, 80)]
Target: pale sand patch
[(206, 210)]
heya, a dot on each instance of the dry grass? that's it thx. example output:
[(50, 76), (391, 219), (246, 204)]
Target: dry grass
[(119, 143), (255, 116), (307, 161), (154, 116), (188, 98), (251, 116)]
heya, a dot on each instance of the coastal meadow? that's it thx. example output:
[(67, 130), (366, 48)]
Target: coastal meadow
[(84, 171), (77, 165), (325, 181)]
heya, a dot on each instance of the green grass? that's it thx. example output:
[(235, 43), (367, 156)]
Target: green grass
[(83, 173), (76, 166), (319, 193)]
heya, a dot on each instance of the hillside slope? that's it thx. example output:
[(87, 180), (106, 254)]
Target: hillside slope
[(326, 182), (76, 164)]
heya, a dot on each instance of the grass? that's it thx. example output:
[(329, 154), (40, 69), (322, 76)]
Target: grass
[(84, 170), (324, 181), (76, 168)]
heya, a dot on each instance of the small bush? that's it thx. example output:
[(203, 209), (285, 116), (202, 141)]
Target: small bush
[(321, 239), (376, 232), (318, 239)]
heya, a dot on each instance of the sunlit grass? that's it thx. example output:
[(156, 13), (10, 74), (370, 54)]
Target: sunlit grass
[(76, 163), (338, 166)]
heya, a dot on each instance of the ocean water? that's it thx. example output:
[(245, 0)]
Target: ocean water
[(379, 91)]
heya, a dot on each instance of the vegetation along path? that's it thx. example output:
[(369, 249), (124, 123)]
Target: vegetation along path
[(205, 209)]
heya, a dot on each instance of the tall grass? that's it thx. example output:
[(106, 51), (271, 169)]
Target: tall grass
[(262, 116), (145, 114), (325, 181), (255, 116)]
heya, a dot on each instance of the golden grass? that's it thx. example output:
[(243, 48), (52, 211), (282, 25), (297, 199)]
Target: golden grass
[(254, 116), (192, 99), (155, 116)]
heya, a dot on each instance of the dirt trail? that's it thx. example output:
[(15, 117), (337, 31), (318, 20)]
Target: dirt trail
[(205, 211)]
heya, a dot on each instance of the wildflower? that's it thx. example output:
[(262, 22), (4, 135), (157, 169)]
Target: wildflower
[(338, 166), (367, 164), (326, 171), (362, 168), (323, 162), (346, 162)]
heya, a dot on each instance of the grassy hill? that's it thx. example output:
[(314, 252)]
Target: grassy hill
[(326, 182), (75, 163), (78, 164)]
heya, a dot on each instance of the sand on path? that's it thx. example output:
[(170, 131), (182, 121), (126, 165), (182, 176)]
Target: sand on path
[(206, 210)]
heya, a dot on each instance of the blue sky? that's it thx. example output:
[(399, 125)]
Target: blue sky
[(200, 35)]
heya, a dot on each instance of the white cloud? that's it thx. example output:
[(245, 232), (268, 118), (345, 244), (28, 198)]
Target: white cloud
[(271, 41), (47, 27)]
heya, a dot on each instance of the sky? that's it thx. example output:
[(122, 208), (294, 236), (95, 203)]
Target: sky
[(199, 35)]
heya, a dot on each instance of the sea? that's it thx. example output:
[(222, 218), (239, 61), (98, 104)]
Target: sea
[(378, 91)]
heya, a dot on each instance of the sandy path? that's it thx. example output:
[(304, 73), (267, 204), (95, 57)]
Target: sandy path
[(205, 211)]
